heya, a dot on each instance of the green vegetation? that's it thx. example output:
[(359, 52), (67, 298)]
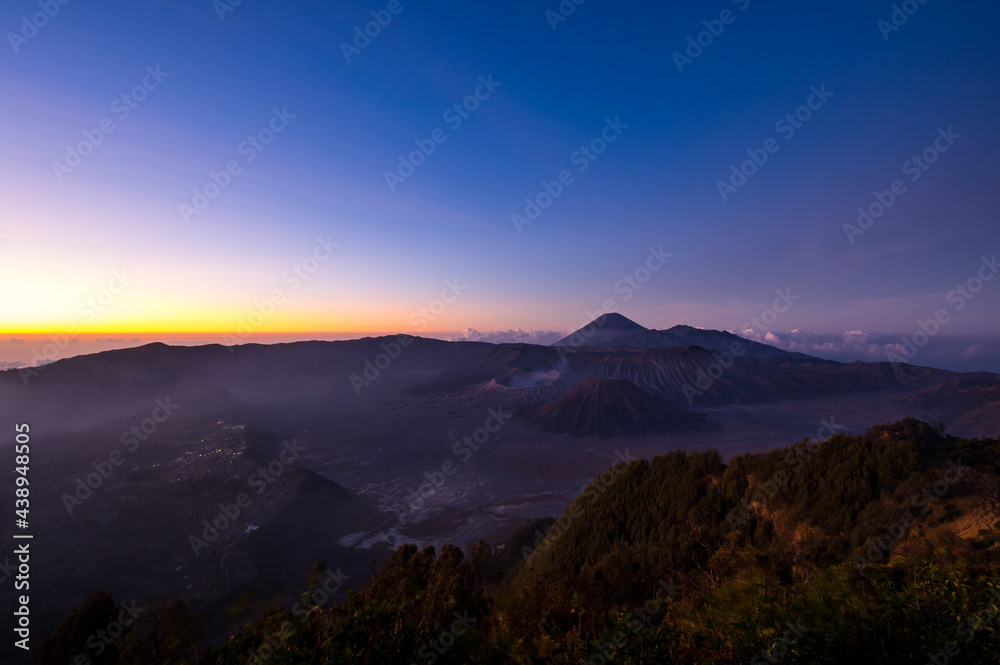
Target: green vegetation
[(878, 548)]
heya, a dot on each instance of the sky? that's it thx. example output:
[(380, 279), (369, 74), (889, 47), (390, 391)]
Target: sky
[(253, 169)]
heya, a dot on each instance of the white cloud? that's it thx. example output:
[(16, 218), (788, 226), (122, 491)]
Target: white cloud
[(542, 337), (948, 352), (974, 351)]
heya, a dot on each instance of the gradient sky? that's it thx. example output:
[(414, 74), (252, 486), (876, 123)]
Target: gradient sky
[(324, 175)]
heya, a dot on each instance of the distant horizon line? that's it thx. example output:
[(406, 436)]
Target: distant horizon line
[(422, 333)]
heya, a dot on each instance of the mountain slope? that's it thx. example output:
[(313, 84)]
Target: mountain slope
[(615, 330), (516, 376), (814, 504), (686, 559), (970, 406), (718, 340), (92, 390), (605, 330), (609, 408)]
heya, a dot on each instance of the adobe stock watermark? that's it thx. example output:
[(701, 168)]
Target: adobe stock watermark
[(296, 275), (432, 649), (707, 377), (968, 629), (958, 298), (101, 640), (272, 642), (581, 158), (248, 149), (88, 310), (122, 108), (915, 168), (416, 499), (637, 619), (876, 549), (782, 646), (769, 316), (455, 116), (317, 597), (562, 13), (787, 126), (424, 316), (30, 26), (7, 570), (634, 281), (313, 601), (899, 17), (131, 439), (627, 288), (363, 35), (420, 319), (740, 516), (696, 44), (229, 513), (373, 367), (592, 491), (223, 7)]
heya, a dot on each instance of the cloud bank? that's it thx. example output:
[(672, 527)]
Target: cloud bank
[(960, 353), (964, 353), (542, 337)]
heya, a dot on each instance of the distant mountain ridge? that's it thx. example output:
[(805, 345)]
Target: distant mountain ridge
[(969, 405), (519, 375), (615, 330), (687, 367)]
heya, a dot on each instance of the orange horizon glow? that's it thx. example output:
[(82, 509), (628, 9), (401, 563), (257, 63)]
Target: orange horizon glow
[(207, 332), (208, 323), (156, 316)]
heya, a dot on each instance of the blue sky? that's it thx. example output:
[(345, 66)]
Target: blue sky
[(323, 176)]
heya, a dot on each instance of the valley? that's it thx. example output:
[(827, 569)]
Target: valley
[(269, 461)]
